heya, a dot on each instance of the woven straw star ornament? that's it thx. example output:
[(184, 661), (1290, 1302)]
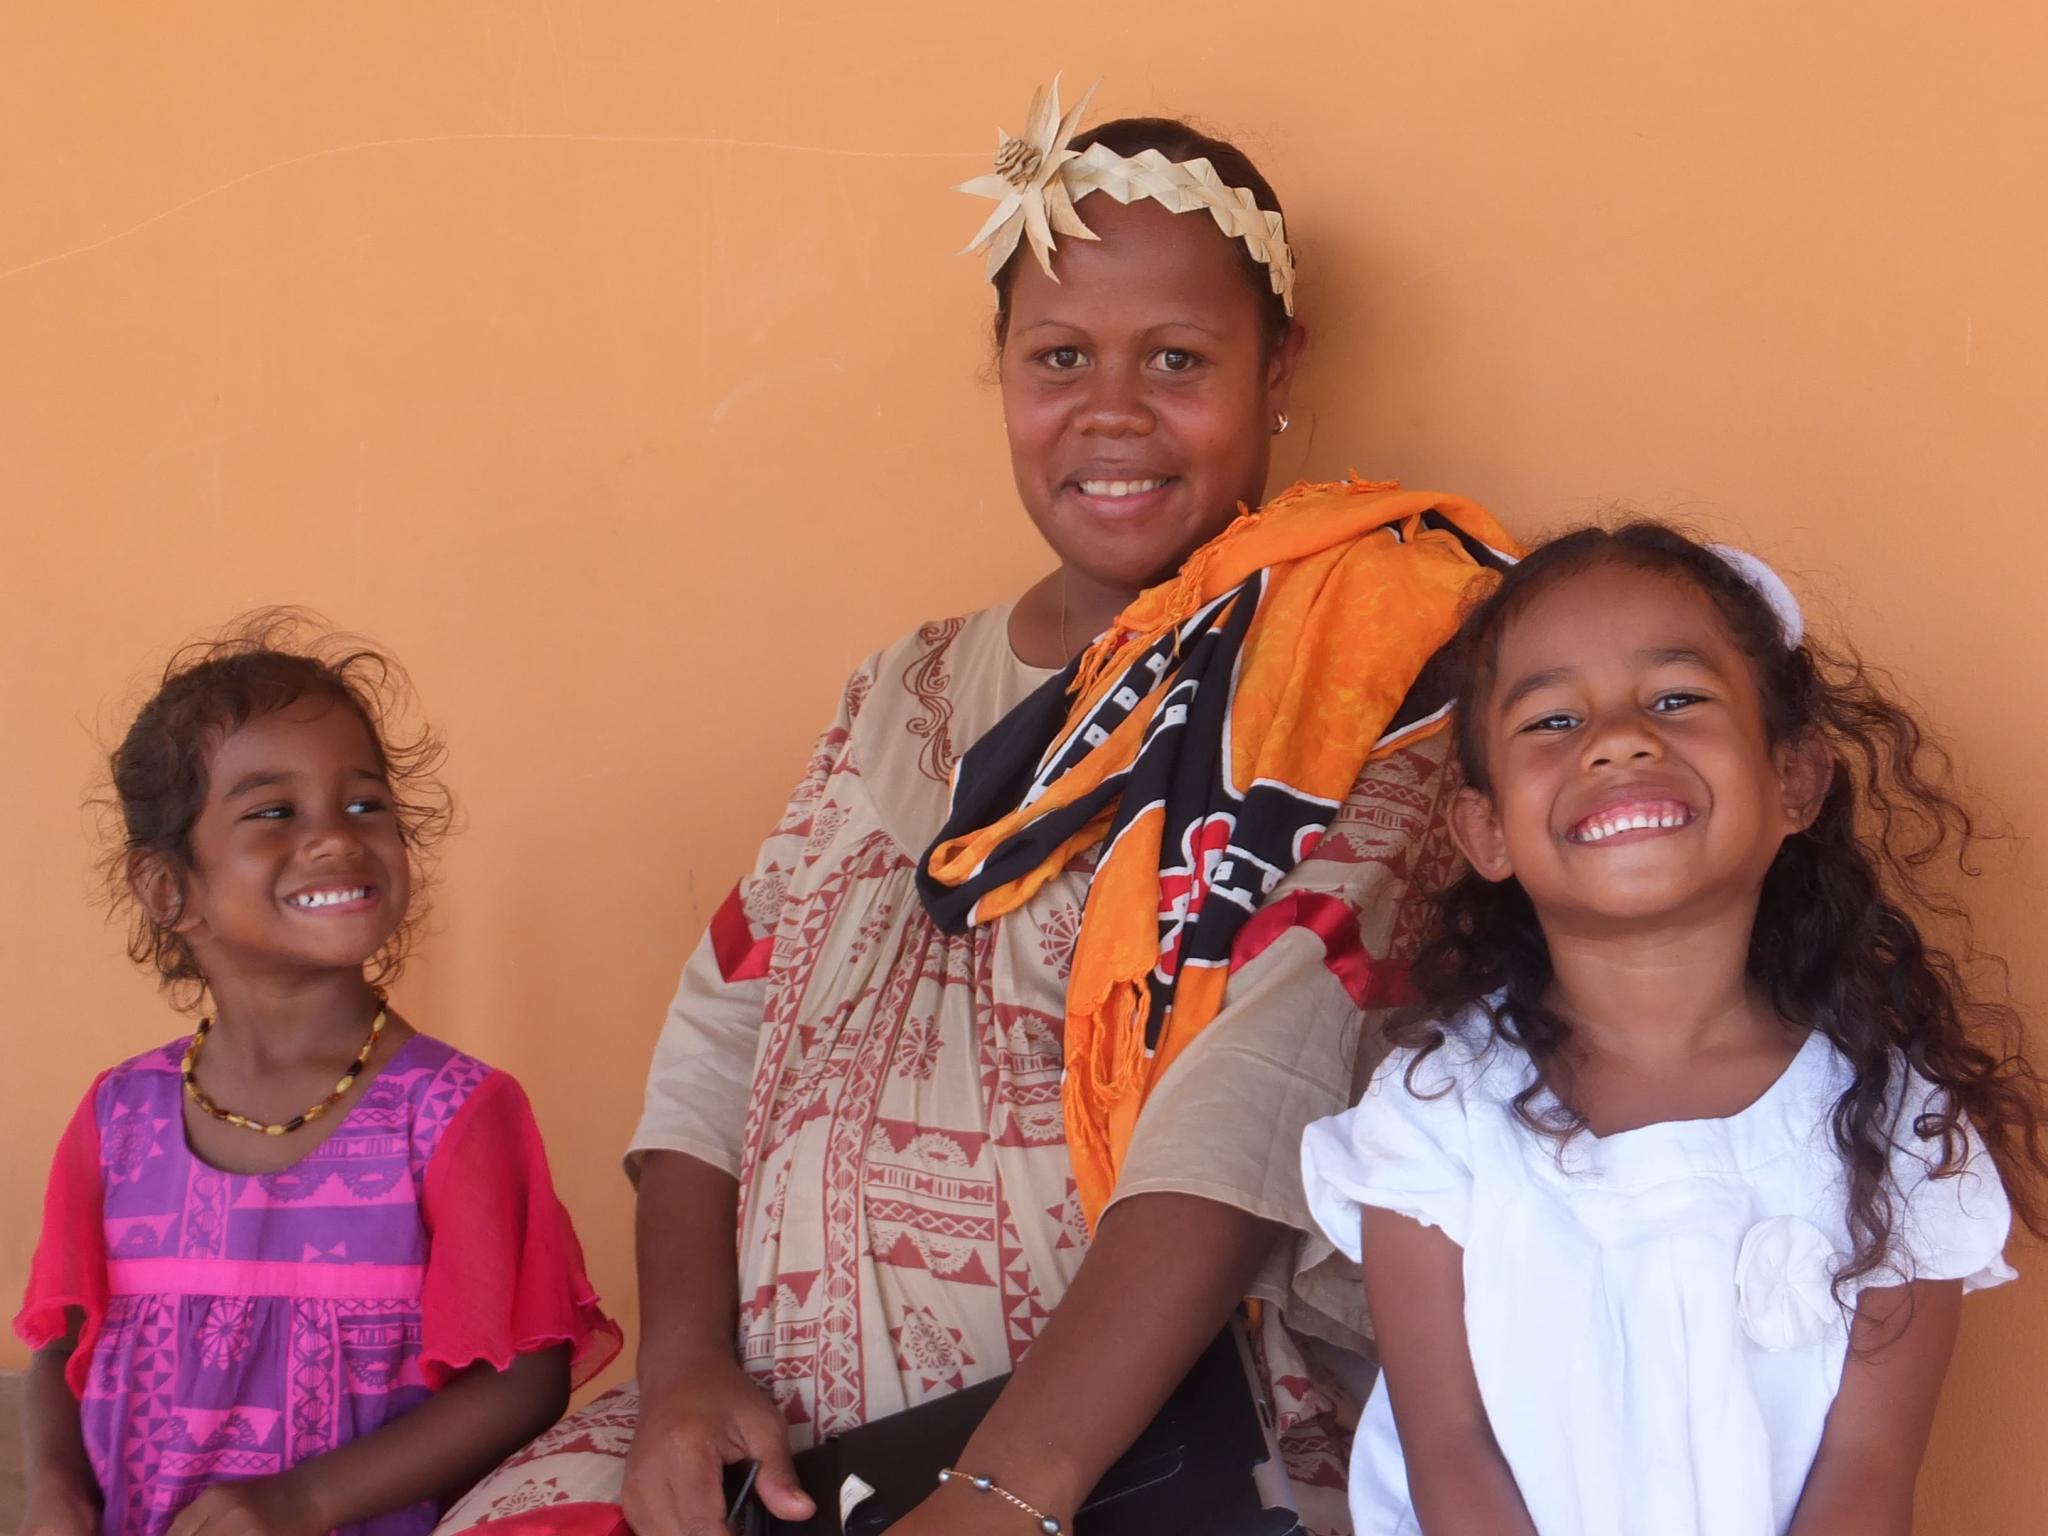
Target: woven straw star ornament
[(1038, 178), (1031, 198)]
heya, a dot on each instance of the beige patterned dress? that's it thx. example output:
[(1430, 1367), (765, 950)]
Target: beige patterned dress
[(889, 1096)]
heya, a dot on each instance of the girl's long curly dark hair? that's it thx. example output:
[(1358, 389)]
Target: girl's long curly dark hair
[(264, 661), (1837, 942)]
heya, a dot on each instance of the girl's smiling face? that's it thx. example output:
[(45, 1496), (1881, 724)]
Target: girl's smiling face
[(1631, 775), (297, 859), (1140, 391)]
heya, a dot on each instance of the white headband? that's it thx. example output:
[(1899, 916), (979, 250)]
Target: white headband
[(1038, 179), (1770, 586)]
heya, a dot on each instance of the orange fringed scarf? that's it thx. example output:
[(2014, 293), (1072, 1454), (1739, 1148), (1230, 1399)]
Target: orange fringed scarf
[(1207, 738)]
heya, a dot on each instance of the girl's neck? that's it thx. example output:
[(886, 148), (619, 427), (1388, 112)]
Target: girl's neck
[(272, 1023), (1659, 998)]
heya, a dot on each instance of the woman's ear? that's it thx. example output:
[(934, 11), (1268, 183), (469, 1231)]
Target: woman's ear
[(159, 890), (1476, 829), (1806, 772), (1280, 366)]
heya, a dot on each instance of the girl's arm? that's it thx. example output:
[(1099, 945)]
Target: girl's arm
[(1158, 1282), (1862, 1479), (432, 1452), (63, 1496), (1415, 1289)]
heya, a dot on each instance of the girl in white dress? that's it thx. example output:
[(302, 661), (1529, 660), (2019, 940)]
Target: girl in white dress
[(1670, 1190)]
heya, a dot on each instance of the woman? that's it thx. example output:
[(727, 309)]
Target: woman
[(863, 1141)]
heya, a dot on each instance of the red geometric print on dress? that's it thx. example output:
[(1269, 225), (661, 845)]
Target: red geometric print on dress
[(1024, 1308), (927, 1146), (1385, 813), (930, 1352), (928, 1199), (1068, 1218), (1059, 929), (841, 1380), (917, 1050), (1315, 1457)]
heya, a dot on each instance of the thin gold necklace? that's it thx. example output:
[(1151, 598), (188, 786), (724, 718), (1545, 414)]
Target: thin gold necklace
[(1066, 653), (190, 1073)]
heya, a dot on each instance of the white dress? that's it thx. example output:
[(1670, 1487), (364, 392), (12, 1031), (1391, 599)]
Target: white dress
[(1649, 1313)]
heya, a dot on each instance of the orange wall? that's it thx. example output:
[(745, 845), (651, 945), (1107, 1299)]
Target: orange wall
[(611, 363)]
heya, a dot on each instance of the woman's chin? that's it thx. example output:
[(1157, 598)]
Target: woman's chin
[(1133, 549)]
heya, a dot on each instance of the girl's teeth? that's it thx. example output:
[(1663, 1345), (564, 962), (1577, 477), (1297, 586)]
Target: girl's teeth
[(1636, 822), (1119, 487), (329, 898)]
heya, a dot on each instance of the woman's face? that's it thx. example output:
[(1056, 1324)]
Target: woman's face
[(1139, 391)]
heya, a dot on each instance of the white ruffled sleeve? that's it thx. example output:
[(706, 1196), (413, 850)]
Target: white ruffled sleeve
[(1404, 1149), (1952, 1227)]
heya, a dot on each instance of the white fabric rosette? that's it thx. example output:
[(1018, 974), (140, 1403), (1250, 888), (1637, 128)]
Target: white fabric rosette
[(1784, 1284)]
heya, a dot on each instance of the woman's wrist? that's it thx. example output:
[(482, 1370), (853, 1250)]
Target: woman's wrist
[(969, 1508), (666, 1360)]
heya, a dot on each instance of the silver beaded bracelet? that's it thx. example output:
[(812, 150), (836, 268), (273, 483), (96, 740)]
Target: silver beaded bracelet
[(1046, 1523)]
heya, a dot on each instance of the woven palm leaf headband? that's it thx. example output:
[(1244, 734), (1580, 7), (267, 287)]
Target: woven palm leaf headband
[(1038, 179)]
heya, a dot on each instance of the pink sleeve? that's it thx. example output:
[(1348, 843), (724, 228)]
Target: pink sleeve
[(504, 1270), (70, 1267)]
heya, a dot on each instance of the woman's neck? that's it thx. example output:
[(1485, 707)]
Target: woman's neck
[(1058, 615)]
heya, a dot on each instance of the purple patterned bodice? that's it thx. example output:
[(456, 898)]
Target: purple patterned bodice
[(257, 1320)]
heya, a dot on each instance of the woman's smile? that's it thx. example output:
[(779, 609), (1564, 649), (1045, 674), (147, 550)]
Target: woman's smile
[(1123, 497)]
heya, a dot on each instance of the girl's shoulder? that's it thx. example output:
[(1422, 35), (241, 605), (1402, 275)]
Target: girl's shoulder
[(1468, 1059), (147, 1075)]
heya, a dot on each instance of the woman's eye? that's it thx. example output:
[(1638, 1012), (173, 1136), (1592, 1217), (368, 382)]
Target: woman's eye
[(1175, 360), (1061, 359)]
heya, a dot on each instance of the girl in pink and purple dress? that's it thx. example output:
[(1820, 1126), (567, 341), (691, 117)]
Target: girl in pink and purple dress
[(305, 1269)]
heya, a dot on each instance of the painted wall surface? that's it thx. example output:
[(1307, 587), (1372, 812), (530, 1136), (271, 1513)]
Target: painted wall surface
[(612, 364)]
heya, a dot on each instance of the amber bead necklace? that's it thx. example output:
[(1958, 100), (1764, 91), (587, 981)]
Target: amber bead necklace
[(190, 1073)]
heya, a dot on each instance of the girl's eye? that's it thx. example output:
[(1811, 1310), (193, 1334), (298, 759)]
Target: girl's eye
[(1550, 724), (269, 813), (1061, 359), (367, 805), (1176, 360), (1668, 703)]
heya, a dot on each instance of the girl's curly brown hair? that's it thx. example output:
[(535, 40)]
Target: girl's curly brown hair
[(1837, 942), (264, 661)]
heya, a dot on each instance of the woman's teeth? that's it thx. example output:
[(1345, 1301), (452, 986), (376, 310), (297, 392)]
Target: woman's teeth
[(1634, 821), (313, 899), (1120, 487)]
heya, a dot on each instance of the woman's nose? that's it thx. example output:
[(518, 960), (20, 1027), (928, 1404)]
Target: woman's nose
[(1115, 404)]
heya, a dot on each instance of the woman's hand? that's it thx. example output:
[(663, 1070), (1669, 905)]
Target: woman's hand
[(689, 1433), (261, 1506)]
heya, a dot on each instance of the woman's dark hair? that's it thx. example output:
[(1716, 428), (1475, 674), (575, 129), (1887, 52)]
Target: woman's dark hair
[(1837, 942), (1178, 141), (263, 662)]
